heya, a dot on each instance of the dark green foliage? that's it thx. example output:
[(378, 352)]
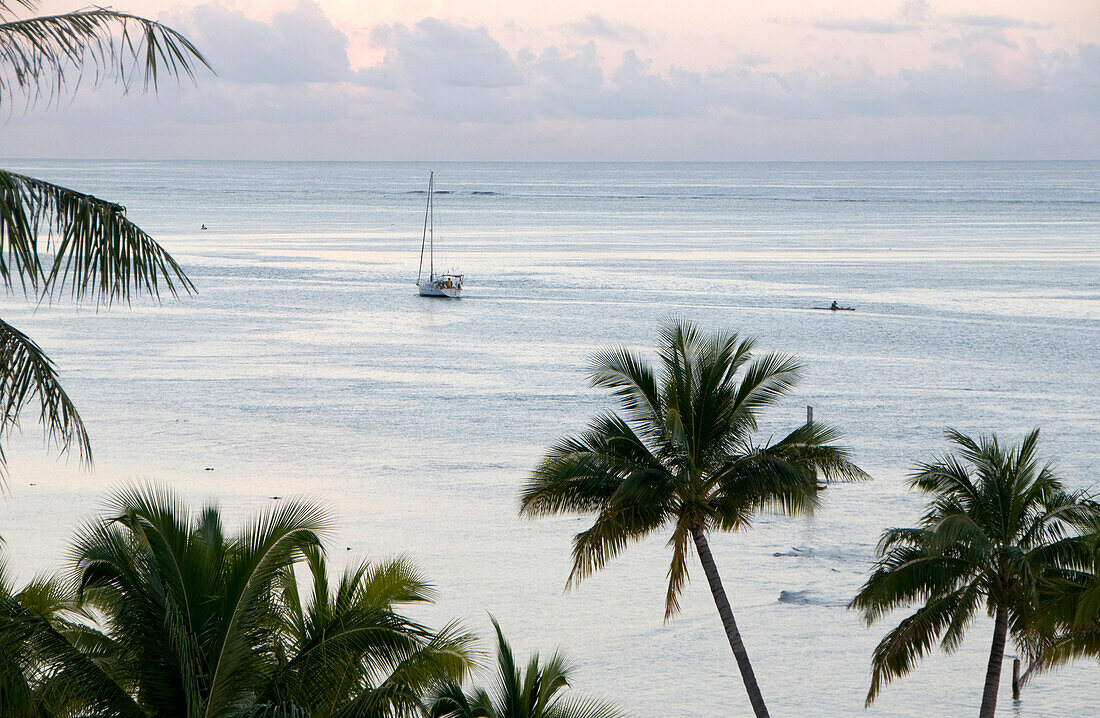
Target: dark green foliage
[(682, 453), (167, 614), (682, 457), (1067, 625), (536, 691), (997, 527)]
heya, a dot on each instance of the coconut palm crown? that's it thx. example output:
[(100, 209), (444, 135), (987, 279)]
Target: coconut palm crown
[(682, 457), (997, 525), (171, 615), (536, 691), (55, 240)]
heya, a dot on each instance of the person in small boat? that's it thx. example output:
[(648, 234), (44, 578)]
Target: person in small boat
[(834, 305), (204, 227)]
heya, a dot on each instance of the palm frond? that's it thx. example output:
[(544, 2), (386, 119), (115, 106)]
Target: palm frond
[(680, 543), (766, 380), (612, 531), (51, 55), (812, 447), (91, 246), (26, 375), (631, 379), (584, 708), (43, 671), (536, 691), (583, 473), (902, 647)]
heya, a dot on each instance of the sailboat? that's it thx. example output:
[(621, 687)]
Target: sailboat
[(436, 285)]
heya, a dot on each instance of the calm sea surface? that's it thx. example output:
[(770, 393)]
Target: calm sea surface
[(307, 364)]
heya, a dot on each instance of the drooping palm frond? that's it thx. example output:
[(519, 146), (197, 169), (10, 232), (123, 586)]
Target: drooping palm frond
[(50, 56), (903, 647), (813, 447), (28, 376), (52, 237)]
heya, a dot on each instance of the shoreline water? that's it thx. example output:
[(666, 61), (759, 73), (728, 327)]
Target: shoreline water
[(306, 362)]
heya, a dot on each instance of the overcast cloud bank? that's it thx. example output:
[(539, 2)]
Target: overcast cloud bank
[(294, 71)]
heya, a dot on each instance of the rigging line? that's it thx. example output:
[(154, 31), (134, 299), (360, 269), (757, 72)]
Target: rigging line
[(424, 238)]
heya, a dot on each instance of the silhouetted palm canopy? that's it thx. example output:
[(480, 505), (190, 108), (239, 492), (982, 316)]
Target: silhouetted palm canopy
[(998, 522), (682, 456), (55, 240), (1067, 626), (536, 691), (173, 616)]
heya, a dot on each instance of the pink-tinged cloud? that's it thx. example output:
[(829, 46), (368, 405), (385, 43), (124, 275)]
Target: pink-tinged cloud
[(990, 86)]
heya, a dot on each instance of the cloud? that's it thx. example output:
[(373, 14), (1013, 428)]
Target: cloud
[(911, 16), (291, 75), (443, 71), (915, 16), (878, 27), (299, 45), (1002, 22), (598, 27), (436, 53)]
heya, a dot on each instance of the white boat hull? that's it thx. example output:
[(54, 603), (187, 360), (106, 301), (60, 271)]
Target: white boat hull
[(440, 289)]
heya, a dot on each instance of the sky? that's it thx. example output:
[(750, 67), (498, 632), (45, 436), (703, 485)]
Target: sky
[(602, 80)]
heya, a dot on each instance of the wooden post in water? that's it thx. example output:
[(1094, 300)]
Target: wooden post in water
[(821, 485), (1015, 679)]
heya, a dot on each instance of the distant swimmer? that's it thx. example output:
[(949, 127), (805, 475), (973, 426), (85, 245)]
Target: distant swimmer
[(204, 229)]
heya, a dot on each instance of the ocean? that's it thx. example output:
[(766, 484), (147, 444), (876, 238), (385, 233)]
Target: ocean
[(306, 364)]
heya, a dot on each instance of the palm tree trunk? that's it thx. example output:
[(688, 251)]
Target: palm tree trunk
[(734, 636), (993, 673)]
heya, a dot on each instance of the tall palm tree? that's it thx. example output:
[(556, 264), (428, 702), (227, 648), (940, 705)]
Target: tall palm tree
[(170, 615), (682, 455), (534, 692), (55, 240), (997, 523)]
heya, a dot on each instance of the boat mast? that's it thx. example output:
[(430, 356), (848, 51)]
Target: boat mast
[(431, 226), (424, 238)]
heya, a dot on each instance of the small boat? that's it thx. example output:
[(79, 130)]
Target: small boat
[(835, 308), (436, 285)]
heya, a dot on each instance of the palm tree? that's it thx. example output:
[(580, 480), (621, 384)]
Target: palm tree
[(682, 456), (55, 240), (170, 615), (997, 523), (535, 692)]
